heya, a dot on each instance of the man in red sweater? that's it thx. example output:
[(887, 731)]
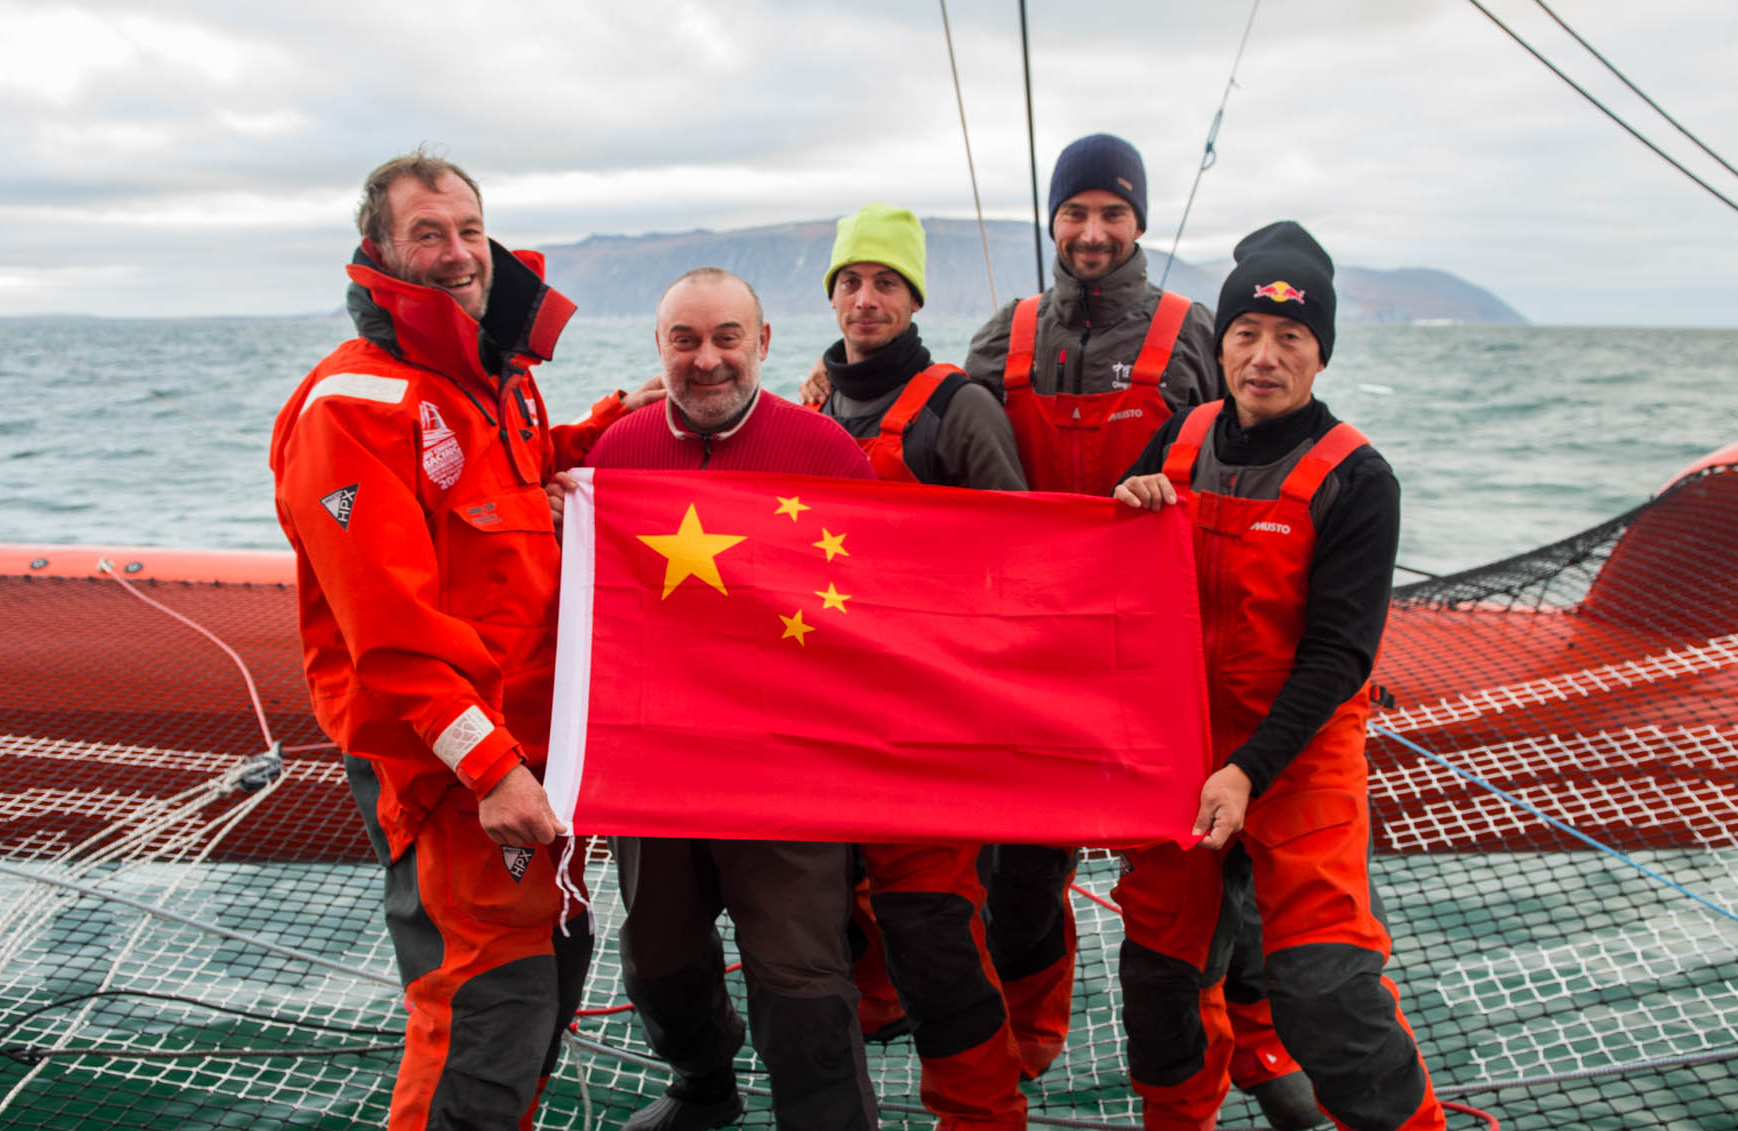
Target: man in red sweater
[(788, 900)]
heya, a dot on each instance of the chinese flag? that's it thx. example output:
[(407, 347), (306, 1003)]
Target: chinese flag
[(785, 657)]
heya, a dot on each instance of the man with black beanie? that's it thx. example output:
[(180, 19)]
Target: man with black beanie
[(1296, 521)]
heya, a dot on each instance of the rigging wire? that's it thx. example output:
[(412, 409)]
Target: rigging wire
[(1604, 109), (1031, 148), (1638, 91), (1210, 155), (247, 676), (1377, 728), (971, 169)]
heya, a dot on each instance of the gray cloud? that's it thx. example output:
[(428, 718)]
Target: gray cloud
[(146, 159)]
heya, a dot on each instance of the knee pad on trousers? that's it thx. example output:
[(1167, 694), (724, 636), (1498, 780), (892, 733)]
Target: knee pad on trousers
[(1342, 1023), (808, 1045), (1161, 1013), (1025, 907), (500, 1022), (938, 971)]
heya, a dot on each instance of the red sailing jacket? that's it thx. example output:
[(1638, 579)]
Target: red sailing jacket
[(410, 484), (1252, 561), (1083, 442)]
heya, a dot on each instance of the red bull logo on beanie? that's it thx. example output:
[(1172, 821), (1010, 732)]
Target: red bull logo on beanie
[(1280, 291)]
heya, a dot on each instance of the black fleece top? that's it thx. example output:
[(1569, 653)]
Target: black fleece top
[(1357, 518)]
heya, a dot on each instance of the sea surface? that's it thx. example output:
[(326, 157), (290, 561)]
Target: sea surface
[(155, 432)]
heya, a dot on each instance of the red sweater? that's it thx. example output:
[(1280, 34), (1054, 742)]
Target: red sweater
[(776, 435)]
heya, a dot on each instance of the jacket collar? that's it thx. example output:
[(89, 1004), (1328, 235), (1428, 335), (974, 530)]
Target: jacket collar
[(426, 326), (1102, 301)]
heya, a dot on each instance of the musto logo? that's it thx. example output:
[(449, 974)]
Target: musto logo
[(1125, 414), (1276, 527)]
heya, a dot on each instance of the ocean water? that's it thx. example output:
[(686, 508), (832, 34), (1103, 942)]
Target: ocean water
[(155, 432)]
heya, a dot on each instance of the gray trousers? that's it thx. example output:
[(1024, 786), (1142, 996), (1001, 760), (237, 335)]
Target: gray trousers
[(789, 902)]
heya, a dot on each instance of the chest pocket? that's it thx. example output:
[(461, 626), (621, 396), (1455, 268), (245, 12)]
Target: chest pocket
[(499, 561)]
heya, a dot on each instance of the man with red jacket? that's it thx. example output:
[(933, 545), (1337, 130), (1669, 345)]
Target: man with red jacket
[(1296, 523), (410, 469)]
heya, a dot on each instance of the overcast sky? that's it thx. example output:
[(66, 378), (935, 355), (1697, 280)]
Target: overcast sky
[(196, 157)]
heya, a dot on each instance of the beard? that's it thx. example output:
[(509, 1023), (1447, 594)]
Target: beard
[(710, 398)]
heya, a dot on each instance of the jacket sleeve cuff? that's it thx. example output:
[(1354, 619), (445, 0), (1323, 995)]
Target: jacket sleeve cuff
[(475, 749), (484, 777)]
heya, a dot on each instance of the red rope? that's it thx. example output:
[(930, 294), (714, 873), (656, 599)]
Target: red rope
[(1491, 1123), (626, 1007)]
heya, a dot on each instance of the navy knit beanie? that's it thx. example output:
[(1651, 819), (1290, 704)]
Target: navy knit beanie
[(1281, 270), (1099, 161)]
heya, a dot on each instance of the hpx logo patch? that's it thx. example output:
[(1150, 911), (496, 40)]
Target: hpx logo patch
[(1121, 375), (442, 458), (339, 503), (518, 860), (1275, 527)]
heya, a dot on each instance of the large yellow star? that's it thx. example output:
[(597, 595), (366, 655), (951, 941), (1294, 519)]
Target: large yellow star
[(832, 544), (832, 598), (791, 506), (794, 626), (691, 552)]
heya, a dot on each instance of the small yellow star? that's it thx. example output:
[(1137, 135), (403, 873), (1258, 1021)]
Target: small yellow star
[(691, 552), (832, 544), (832, 598), (794, 626), (790, 506)]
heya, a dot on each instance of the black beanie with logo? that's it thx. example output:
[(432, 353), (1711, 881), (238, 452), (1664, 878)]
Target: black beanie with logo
[(1099, 161), (1281, 270)]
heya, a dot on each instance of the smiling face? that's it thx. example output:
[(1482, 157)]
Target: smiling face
[(435, 238), (874, 305), (1095, 233), (711, 341), (1270, 365)]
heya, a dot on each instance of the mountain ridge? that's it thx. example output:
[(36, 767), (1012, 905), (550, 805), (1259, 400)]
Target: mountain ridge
[(609, 274)]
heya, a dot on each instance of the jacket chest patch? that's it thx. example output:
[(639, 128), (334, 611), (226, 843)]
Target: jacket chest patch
[(442, 457), (1121, 376)]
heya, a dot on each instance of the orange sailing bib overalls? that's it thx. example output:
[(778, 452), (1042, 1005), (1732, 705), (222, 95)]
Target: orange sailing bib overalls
[(1083, 442), (1308, 833)]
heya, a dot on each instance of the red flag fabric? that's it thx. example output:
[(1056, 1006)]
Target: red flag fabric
[(746, 655)]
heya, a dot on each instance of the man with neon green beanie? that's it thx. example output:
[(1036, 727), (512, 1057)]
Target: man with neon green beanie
[(921, 905), (919, 422)]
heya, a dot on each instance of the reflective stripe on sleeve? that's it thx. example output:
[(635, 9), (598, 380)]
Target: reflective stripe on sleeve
[(364, 386), (462, 736)]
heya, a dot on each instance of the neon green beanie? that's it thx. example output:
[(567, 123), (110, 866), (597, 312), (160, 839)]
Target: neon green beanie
[(880, 233)]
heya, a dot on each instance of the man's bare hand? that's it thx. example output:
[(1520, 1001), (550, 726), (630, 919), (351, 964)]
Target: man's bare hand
[(652, 390), (556, 489), (517, 811), (1150, 491), (1224, 801), (816, 388)]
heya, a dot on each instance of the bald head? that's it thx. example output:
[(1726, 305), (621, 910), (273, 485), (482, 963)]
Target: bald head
[(711, 337)]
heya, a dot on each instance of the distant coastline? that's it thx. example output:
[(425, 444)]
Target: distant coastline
[(608, 274)]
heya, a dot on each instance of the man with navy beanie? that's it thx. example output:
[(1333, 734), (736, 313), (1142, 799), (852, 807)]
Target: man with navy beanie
[(1088, 371)]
